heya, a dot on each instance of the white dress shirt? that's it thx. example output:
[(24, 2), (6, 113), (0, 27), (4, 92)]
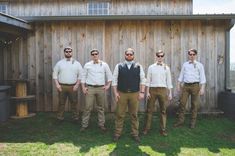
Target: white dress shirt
[(115, 73), (96, 73), (192, 72), (159, 76), (67, 72)]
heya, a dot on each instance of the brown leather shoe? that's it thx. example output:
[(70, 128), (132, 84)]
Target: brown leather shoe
[(116, 138), (163, 133), (178, 124), (83, 129), (103, 128), (145, 131), (59, 121), (192, 126), (137, 139)]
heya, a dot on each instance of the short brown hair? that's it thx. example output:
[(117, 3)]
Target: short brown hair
[(159, 52), (193, 50), (130, 49), (67, 48), (94, 50)]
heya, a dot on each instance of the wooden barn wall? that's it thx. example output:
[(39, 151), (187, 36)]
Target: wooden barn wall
[(116, 7), (35, 57)]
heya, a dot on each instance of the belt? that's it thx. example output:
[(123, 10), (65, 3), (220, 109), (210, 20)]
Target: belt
[(129, 91), (193, 83), (95, 86), (65, 84)]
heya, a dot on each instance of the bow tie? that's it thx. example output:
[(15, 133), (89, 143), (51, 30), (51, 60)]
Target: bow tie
[(159, 64), (191, 62)]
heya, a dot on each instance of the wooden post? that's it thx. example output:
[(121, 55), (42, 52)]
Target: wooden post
[(21, 99), (21, 91)]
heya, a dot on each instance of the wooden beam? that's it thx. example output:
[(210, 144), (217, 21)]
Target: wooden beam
[(10, 20)]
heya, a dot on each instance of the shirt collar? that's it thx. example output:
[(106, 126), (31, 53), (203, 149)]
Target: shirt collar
[(159, 64), (69, 59), (194, 62), (98, 62), (129, 62)]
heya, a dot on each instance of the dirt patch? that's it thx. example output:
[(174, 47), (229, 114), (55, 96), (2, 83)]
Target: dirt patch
[(2, 146)]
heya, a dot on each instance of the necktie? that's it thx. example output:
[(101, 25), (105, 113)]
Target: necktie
[(159, 64)]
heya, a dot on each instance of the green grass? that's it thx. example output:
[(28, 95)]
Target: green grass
[(41, 135)]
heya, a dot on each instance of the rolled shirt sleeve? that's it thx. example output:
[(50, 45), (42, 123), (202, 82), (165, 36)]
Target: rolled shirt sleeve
[(56, 71), (142, 76), (108, 73), (115, 76)]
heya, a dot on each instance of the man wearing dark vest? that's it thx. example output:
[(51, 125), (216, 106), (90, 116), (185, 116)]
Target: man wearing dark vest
[(128, 86)]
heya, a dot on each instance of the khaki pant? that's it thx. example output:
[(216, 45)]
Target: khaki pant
[(131, 101), (160, 94), (193, 90), (67, 92), (98, 94)]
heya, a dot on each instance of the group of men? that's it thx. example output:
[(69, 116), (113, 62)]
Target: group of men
[(129, 86)]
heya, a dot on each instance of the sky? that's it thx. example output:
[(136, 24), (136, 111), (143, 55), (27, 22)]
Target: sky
[(218, 7)]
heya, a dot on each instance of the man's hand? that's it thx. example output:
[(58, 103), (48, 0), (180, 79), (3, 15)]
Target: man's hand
[(169, 97), (141, 95), (75, 87), (202, 91), (117, 96), (148, 95), (85, 90), (106, 87), (58, 87)]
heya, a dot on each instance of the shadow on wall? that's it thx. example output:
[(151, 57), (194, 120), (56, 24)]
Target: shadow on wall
[(232, 79)]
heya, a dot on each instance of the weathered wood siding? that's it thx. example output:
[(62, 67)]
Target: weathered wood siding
[(35, 56), (116, 7)]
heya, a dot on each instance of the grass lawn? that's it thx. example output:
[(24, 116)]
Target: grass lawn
[(41, 135)]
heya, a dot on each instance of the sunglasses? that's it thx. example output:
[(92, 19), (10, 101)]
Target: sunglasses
[(68, 51), (129, 54), (94, 54), (160, 55), (191, 54)]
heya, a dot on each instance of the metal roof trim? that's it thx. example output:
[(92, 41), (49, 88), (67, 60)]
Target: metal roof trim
[(131, 17)]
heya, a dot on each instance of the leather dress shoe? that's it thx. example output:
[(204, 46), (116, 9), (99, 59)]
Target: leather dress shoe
[(178, 124), (83, 129), (116, 138), (103, 128), (145, 131), (192, 126), (137, 139), (163, 133)]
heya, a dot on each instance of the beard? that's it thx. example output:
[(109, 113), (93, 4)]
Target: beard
[(66, 56), (131, 59)]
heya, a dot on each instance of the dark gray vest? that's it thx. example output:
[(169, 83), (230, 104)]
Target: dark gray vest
[(128, 79)]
